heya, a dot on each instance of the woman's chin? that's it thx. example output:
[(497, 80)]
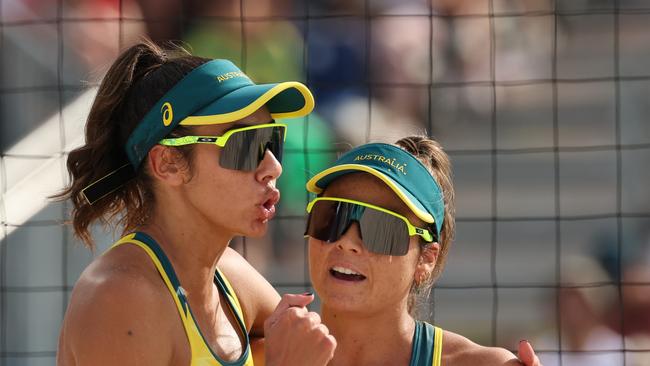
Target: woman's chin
[(258, 229), (343, 304)]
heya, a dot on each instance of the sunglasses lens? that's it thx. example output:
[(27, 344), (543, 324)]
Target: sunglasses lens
[(276, 144), (381, 233), (327, 221), (245, 149)]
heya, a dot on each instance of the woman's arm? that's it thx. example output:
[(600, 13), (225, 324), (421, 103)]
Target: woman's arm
[(257, 297), (458, 350)]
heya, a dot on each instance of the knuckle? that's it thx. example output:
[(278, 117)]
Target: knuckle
[(293, 313), (312, 320), (314, 317), (328, 343), (324, 329), (321, 331)]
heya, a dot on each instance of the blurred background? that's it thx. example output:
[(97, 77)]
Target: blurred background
[(542, 105)]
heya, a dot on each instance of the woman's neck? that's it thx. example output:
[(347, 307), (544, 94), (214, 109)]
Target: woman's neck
[(384, 338), (192, 244)]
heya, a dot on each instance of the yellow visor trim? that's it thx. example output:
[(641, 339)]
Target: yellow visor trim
[(257, 104), (312, 187)]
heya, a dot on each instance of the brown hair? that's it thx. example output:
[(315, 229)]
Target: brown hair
[(135, 82), (431, 154)]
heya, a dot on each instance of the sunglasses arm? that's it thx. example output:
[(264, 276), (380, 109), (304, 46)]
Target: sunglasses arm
[(424, 233)]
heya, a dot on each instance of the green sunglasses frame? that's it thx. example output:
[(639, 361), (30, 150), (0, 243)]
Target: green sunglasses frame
[(412, 229), (217, 140)]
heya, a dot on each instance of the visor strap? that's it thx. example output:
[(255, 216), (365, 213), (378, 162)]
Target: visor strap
[(109, 183)]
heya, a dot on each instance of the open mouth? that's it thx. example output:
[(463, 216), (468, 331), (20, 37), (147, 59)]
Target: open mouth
[(268, 206), (274, 198), (346, 274)]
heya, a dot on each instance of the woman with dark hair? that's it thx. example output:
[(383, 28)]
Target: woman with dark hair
[(170, 291), (379, 234)]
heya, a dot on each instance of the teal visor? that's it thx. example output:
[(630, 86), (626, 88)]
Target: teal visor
[(216, 92), (402, 172)]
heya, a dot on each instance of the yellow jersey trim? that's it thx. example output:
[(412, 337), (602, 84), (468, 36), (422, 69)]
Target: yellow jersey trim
[(437, 349), (201, 353), (231, 295), (130, 239)]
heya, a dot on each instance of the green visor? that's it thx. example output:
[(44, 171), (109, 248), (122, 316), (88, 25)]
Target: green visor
[(382, 231), (402, 172), (216, 92)]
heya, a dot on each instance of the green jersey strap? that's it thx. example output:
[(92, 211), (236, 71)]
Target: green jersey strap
[(427, 345)]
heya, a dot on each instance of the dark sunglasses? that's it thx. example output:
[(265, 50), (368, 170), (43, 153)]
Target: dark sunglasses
[(382, 231), (242, 148)]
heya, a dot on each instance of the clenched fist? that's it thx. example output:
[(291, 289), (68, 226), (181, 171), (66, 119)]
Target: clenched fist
[(296, 336)]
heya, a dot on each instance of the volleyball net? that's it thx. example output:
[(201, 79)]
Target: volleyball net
[(541, 105)]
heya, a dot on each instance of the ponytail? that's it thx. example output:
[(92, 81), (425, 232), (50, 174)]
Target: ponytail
[(139, 77), (431, 154)]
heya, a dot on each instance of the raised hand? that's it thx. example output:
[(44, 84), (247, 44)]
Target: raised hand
[(295, 336)]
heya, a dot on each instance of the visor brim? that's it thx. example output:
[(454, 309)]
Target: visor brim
[(284, 100), (324, 178)]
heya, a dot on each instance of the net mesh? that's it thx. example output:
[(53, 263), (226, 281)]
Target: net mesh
[(542, 106)]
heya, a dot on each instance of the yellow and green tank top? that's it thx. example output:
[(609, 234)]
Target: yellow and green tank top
[(202, 354), (427, 345)]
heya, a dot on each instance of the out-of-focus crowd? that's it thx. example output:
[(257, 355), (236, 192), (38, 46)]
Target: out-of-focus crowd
[(379, 70)]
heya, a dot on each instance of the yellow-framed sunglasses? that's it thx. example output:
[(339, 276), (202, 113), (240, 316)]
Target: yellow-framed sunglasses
[(382, 231), (242, 148)]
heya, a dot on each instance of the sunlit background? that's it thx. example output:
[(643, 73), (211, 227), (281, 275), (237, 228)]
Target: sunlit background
[(542, 105)]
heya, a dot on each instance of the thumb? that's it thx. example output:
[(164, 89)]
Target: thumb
[(526, 354), (288, 301), (294, 300)]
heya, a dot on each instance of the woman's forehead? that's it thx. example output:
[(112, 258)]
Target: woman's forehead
[(367, 188), (362, 186)]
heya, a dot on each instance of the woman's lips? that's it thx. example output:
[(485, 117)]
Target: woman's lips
[(345, 273), (267, 212), (267, 208)]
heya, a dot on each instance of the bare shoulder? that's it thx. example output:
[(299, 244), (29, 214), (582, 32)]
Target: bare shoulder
[(458, 350), (119, 303), (256, 295)]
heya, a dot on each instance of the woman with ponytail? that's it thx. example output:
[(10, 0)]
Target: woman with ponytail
[(379, 234), (170, 291)]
